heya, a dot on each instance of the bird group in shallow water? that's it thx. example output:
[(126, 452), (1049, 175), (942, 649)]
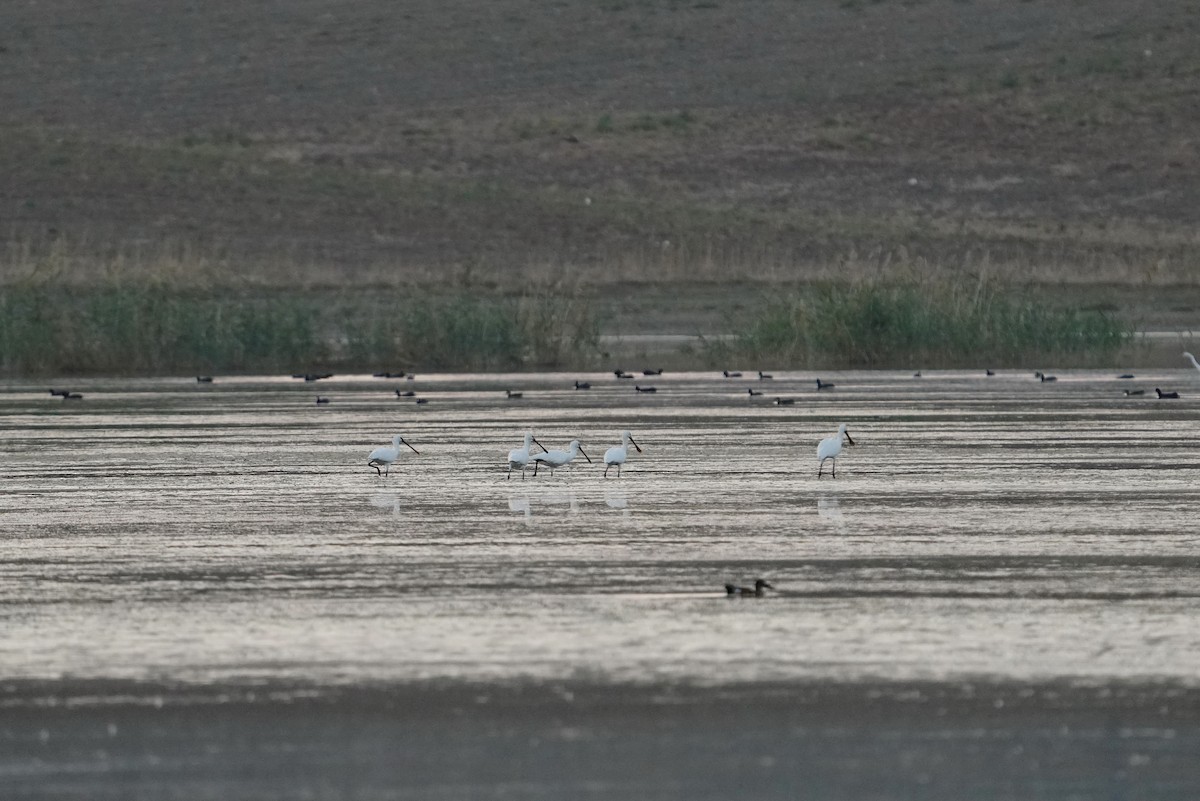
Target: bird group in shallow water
[(828, 450)]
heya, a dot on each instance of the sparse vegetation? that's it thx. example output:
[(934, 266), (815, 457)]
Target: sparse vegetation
[(921, 324), (123, 329)]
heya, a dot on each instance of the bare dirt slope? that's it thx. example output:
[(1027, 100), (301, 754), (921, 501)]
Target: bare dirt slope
[(603, 142)]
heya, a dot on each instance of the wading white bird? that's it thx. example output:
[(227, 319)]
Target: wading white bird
[(557, 459), (617, 454), (518, 459), (1192, 359), (383, 456), (830, 447)]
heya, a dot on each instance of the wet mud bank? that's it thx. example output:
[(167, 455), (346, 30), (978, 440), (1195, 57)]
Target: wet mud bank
[(879, 740)]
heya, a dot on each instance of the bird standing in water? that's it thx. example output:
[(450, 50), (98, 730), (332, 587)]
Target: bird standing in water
[(384, 456), (617, 454), (518, 458), (830, 447)]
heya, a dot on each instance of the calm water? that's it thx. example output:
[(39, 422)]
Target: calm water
[(982, 527)]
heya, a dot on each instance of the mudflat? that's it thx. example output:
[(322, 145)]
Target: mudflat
[(208, 593)]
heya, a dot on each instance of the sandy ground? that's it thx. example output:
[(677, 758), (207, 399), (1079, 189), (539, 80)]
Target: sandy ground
[(578, 740)]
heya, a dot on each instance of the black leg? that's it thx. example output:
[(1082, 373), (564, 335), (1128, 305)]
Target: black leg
[(375, 468)]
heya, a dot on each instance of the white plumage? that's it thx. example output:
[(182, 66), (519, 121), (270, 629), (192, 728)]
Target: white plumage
[(557, 459), (518, 459), (617, 454), (383, 456), (830, 447)]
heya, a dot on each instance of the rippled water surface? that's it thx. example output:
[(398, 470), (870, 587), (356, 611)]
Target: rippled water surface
[(999, 527)]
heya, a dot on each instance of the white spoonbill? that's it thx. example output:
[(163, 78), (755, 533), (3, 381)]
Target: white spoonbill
[(384, 456), (518, 459), (1192, 359), (830, 447), (617, 454), (557, 459)]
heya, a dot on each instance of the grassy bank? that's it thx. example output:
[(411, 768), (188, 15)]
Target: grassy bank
[(921, 324), (159, 330)]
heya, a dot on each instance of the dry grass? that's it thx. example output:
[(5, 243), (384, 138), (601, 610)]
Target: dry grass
[(454, 147)]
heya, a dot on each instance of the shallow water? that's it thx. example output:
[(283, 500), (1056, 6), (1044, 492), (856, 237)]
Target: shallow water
[(981, 527)]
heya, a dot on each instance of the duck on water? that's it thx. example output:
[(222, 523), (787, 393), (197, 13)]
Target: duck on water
[(758, 591)]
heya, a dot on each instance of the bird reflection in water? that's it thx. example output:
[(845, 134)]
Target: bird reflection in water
[(387, 500), (827, 509), (520, 503), (617, 498), (523, 502)]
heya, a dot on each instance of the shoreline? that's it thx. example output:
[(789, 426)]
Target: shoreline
[(81, 693)]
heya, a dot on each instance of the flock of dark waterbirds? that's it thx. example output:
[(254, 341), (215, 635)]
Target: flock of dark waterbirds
[(751, 392)]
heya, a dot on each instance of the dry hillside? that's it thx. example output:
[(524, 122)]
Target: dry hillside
[(605, 141)]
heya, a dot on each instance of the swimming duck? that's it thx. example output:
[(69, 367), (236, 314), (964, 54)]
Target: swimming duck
[(734, 591)]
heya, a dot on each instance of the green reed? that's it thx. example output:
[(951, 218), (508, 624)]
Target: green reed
[(159, 330), (921, 324)]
